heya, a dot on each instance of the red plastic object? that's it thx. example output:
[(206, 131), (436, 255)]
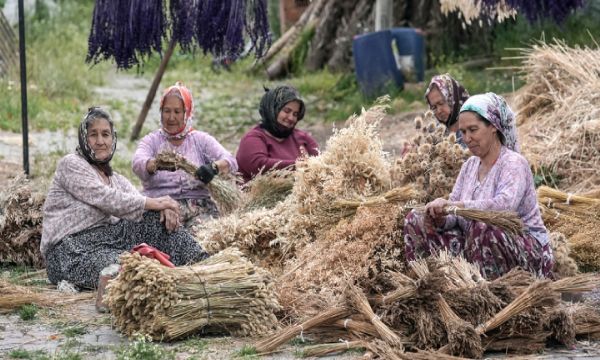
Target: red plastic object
[(153, 253)]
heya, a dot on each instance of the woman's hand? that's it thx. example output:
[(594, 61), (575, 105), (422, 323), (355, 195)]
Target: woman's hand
[(151, 166), (170, 218), (435, 211), (162, 203)]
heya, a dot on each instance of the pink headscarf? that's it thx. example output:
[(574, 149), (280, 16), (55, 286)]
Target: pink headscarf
[(183, 93)]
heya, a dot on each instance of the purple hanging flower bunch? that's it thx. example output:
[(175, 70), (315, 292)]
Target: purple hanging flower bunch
[(535, 10), (128, 30)]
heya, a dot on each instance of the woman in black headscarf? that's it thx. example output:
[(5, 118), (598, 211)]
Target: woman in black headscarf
[(275, 143)]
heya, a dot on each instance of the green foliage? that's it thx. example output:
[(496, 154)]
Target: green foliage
[(545, 176), (247, 352), (298, 56), (143, 349), (28, 312), (74, 331), (29, 355), (194, 345)]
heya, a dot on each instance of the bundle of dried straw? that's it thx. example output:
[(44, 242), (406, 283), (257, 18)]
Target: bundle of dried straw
[(224, 192), (224, 292), (267, 189)]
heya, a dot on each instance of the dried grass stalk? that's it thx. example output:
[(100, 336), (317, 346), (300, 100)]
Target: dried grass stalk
[(555, 195), (358, 327), (226, 194), (15, 296), (463, 340), (397, 195), (537, 293), (224, 292), (272, 342), (267, 189), (328, 349), (564, 264), (560, 323), (577, 283), (361, 304), (509, 221), (523, 344)]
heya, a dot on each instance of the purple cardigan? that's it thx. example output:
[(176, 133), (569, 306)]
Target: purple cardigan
[(198, 148), (258, 151), (508, 186)]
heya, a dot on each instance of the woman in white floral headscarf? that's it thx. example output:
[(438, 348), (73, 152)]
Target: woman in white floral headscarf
[(497, 177)]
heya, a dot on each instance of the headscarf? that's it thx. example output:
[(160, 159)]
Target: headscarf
[(453, 92), (84, 148), (494, 109), (271, 104), (180, 91)]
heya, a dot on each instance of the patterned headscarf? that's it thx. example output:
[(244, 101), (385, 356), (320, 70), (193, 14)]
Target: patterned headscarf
[(271, 104), (453, 92), (180, 91), (494, 109), (84, 148)]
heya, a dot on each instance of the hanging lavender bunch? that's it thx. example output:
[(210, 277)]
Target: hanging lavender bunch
[(211, 25), (257, 27), (184, 14), (126, 30), (535, 10)]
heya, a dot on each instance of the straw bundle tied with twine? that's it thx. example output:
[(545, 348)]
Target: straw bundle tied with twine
[(509, 221), (21, 223), (328, 349), (15, 296), (225, 193), (396, 195), (224, 292)]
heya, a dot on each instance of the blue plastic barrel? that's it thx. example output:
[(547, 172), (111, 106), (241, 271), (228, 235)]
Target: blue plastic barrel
[(411, 49), (374, 64)]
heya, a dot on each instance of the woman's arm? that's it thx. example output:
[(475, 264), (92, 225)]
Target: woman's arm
[(213, 151), (143, 163)]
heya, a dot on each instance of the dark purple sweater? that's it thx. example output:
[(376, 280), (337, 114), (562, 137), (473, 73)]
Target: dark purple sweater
[(258, 151)]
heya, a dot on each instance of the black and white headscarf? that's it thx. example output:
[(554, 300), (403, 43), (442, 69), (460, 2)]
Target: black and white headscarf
[(84, 148), (271, 104)]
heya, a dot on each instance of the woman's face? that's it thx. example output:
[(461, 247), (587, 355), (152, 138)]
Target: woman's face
[(477, 135), (173, 114), (288, 115), (100, 139), (439, 105)]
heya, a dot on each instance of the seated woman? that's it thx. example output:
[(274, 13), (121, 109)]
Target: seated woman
[(445, 96), (92, 214), (497, 177), (176, 134), (275, 143)]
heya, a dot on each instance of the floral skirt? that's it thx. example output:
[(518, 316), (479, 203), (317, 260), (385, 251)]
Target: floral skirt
[(486, 246)]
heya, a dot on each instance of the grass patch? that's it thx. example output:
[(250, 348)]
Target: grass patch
[(247, 352), (28, 312), (194, 345), (143, 349), (75, 331), (29, 355)]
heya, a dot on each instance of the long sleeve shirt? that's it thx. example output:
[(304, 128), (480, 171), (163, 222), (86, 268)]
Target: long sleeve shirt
[(507, 186), (259, 151), (79, 199), (197, 147)]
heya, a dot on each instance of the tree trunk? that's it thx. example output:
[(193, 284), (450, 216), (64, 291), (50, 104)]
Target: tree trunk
[(323, 42), (359, 21)]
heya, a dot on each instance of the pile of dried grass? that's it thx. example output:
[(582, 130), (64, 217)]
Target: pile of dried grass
[(564, 264), (14, 296), (21, 223), (469, 10), (224, 191), (432, 163), (268, 189), (558, 111), (224, 292)]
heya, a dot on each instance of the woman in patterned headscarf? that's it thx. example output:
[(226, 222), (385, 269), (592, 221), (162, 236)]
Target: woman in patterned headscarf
[(275, 143), (445, 96), (92, 214), (199, 148), (497, 177)]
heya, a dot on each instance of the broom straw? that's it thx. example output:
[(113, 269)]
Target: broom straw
[(396, 195), (578, 283), (227, 196), (536, 293), (361, 304), (356, 326), (326, 349), (274, 341), (568, 198)]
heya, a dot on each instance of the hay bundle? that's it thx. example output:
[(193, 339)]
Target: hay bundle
[(267, 189), (564, 265), (432, 163), (14, 296), (224, 291), (353, 166), (21, 223), (223, 191), (558, 109), (366, 246)]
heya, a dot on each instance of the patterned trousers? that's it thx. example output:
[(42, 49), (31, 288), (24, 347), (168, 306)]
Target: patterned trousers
[(488, 247)]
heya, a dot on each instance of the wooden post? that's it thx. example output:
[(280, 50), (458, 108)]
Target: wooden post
[(23, 68), (384, 12), (152, 92)]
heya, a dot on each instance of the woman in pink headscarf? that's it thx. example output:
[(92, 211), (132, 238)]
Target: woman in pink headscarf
[(199, 148)]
